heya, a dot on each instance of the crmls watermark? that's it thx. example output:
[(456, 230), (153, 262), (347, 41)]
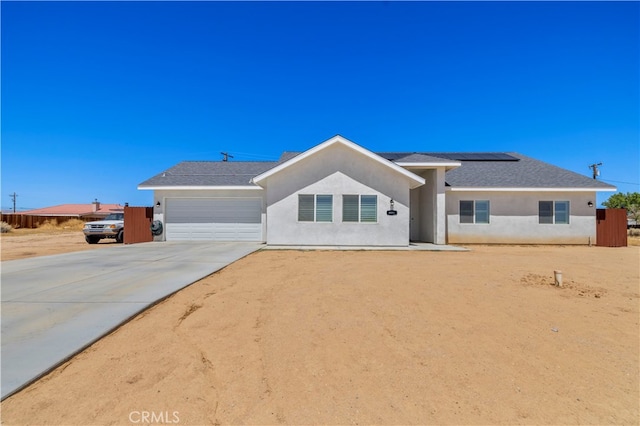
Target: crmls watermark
[(154, 417)]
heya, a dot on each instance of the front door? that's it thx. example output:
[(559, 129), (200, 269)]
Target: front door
[(414, 213)]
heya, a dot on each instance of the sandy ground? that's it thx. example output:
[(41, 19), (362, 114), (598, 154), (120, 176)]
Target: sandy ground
[(21, 244), (301, 337)]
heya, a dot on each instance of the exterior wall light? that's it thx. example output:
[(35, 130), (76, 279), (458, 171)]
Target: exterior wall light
[(158, 204), (391, 211), (590, 203)]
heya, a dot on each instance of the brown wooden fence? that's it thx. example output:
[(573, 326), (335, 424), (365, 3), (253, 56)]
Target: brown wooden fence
[(611, 227), (28, 221), (137, 224)]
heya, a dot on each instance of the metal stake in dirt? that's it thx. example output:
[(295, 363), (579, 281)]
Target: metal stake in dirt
[(557, 275)]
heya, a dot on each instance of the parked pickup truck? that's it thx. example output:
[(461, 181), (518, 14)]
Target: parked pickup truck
[(111, 227)]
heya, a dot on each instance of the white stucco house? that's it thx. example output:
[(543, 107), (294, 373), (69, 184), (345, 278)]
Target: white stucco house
[(340, 193)]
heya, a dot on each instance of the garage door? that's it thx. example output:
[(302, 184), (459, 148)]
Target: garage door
[(213, 219)]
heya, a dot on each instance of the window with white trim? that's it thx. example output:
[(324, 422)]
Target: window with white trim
[(360, 208), (315, 208), (553, 212), (474, 211)]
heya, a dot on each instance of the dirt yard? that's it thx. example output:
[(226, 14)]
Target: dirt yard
[(301, 337), (23, 243)]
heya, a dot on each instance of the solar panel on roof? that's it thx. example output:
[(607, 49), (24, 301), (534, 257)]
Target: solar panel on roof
[(475, 156), (392, 156)]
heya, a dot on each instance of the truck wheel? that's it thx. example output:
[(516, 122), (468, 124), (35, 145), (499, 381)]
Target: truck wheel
[(92, 239), (120, 237)]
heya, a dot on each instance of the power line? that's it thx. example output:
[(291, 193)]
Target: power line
[(259, 157), (618, 181), (246, 154)]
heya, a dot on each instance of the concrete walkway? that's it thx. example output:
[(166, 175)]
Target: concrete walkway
[(55, 306), (412, 246)]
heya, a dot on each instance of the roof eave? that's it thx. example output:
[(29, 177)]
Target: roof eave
[(527, 189), (197, 187)]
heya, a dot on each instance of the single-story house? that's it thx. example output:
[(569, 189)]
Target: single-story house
[(339, 193), (91, 211)]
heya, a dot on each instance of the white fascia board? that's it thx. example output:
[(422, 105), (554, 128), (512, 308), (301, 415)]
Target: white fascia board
[(346, 142), (478, 189), (449, 166), (195, 188)]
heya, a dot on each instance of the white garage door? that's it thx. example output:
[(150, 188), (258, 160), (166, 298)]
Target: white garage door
[(213, 219)]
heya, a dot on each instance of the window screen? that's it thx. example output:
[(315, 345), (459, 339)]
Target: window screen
[(482, 211), (545, 212), (306, 207), (368, 208), (315, 208), (466, 211), (324, 208), (350, 208), (360, 208), (561, 214)]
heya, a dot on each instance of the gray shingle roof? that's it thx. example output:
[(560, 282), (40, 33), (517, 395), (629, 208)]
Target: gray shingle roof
[(210, 173), (443, 157), (476, 156), (504, 170), (417, 157), (396, 157), (525, 173), (288, 155)]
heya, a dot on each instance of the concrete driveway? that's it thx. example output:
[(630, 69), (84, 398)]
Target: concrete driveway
[(55, 306)]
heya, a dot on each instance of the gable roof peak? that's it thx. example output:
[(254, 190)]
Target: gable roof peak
[(338, 139)]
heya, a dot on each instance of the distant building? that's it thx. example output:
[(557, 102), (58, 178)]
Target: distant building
[(95, 210)]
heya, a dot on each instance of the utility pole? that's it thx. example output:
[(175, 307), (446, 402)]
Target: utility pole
[(13, 197), (594, 168), (226, 156)]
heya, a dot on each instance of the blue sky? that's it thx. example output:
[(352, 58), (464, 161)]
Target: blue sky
[(98, 97)]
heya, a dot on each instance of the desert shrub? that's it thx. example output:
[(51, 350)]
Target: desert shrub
[(73, 224), (5, 228), (634, 232), (65, 225), (49, 225)]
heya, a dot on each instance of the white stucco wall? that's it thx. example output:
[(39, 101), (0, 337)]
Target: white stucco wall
[(162, 195), (440, 225), (337, 170), (514, 219), (428, 219)]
